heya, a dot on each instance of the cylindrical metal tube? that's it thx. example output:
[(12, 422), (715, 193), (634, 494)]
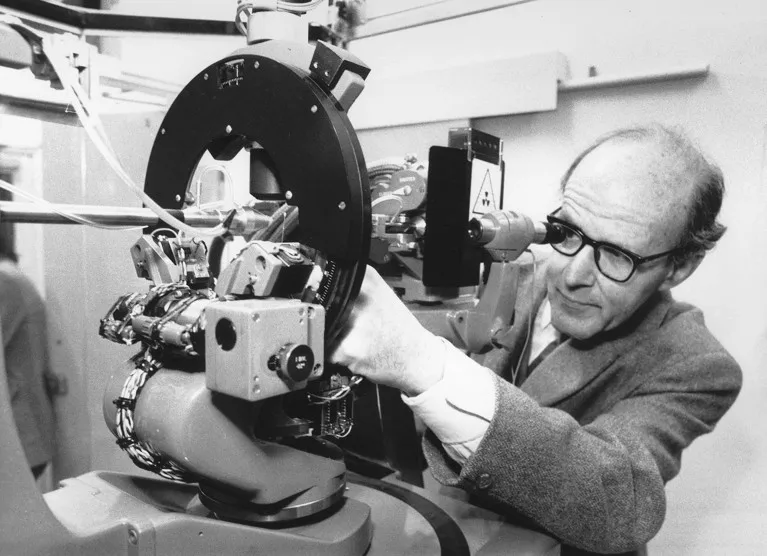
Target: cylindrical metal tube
[(32, 213), (212, 438), (115, 216)]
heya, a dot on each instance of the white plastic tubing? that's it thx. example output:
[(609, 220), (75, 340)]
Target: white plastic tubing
[(95, 130)]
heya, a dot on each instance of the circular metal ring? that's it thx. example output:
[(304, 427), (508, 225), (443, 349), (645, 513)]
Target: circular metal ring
[(313, 146), (233, 509)]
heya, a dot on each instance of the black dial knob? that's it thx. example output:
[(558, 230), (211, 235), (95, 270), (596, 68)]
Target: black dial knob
[(293, 361)]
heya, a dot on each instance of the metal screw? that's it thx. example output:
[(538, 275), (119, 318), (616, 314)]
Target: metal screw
[(288, 195), (178, 198), (314, 109), (205, 77), (341, 206), (228, 129), (315, 65), (132, 536), (256, 65), (162, 131), (255, 317)]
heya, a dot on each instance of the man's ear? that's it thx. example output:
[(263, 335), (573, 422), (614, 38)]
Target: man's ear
[(681, 271)]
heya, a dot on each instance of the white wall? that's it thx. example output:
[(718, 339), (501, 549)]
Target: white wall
[(718, 505), (177, 58), (87, 270), (20, 143)]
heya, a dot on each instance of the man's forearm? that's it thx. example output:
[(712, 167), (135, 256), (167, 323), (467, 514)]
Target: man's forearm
[(458, 408)]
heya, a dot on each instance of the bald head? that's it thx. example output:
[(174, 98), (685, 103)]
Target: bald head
[(671, 177)]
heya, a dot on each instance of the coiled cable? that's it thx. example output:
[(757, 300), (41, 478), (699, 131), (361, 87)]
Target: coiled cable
[(95, 130)]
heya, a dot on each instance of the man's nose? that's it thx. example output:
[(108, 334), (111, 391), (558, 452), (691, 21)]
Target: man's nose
[(581, 269)]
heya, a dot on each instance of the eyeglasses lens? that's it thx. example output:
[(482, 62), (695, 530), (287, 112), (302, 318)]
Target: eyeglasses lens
[(614, 264), (572, 240)]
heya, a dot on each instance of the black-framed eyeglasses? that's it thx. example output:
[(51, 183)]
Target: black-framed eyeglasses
[(616, 263)]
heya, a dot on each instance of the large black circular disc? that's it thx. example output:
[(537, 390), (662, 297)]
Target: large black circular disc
[(250, 98)]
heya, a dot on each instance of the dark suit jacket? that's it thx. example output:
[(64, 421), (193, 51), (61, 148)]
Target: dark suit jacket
[(583, 447)]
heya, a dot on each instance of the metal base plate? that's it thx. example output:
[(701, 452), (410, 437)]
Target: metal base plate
[(112, 513), (137, 515)]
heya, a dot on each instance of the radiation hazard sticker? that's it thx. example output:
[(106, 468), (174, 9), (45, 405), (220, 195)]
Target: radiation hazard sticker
[(486, 187)]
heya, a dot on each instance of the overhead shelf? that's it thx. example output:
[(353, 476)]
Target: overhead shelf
[(488, 88)]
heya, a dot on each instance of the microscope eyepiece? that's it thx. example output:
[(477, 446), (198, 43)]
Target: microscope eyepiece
[(554, 233)]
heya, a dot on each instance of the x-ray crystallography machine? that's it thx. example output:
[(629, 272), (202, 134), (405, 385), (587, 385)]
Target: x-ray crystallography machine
[(229, 398)]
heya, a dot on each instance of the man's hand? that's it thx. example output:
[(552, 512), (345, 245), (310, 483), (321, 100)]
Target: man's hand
[(386, 344)]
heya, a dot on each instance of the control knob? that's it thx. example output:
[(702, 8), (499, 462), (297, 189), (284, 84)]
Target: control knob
[(293, 362)]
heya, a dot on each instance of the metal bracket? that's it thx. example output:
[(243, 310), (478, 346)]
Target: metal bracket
[(15, 52), (339, 73)]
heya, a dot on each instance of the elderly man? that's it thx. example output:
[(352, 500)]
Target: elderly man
[(580, 442)]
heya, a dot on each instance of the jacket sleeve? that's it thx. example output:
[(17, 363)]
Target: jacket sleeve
[(598, 486)]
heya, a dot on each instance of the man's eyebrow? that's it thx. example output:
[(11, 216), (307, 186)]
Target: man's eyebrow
[(562, 215)]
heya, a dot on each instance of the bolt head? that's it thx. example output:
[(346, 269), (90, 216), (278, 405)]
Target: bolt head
[(341, 206), (288, 195)]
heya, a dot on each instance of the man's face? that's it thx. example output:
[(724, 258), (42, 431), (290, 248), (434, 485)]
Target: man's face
[(627, 194)]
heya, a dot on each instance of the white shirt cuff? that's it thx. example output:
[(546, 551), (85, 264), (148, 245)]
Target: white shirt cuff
[(458, 408)]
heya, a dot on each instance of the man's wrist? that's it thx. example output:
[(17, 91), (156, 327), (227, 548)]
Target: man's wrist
[(425, 369)]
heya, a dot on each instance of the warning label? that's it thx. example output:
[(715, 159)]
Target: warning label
[(486, 187)]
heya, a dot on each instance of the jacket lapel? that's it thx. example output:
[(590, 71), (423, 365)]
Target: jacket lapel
[(509, 356), (573, 365)]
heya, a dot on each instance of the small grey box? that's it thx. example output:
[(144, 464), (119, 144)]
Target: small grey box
[(242, 337)]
